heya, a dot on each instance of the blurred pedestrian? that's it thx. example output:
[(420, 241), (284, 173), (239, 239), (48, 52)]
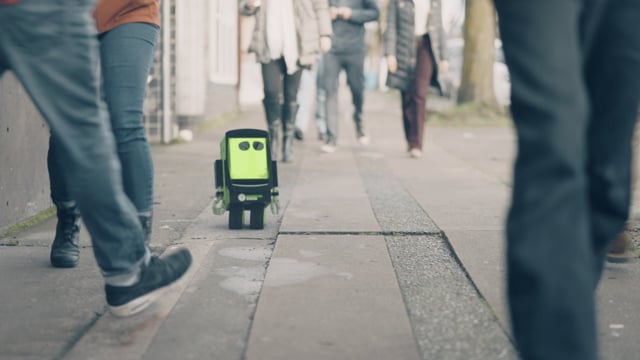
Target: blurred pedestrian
[(575, 73), (416, 52), (288, 36), (52, 48), (347, 53), (127, 34), (309, 90)]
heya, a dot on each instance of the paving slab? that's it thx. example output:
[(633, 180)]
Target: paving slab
[(618, 317), (329, 196), (331, 297), (41, 312), (128, 338), (213, 317)]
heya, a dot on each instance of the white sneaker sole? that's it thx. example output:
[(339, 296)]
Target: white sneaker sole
[(135, 306)]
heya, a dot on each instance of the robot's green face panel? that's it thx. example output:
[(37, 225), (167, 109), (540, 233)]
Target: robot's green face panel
[(248, 158)]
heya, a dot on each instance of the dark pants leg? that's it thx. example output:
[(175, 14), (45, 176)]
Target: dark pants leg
[(353, 65), (556, 220), (277, 81), (272, 73), (613, 79), (291, 84), (414, 101)]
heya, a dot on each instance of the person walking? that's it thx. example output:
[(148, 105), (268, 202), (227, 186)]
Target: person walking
[(52, 48), (347, 53), (416, 53), (575, 74), (127, 30), (288, 36)]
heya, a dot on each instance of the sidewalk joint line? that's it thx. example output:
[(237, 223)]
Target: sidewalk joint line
[(367, 233)]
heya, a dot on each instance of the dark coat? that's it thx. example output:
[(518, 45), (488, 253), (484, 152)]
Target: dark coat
[(349, 35), (399, 40)]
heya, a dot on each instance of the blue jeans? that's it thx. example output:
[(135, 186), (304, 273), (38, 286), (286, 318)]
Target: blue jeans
[(309, 83), (126, 54), (52, 48)]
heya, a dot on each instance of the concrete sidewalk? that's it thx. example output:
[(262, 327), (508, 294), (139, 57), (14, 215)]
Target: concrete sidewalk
[(374, 256)]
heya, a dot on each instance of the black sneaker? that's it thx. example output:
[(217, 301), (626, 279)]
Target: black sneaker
[(65, 250), (125, 301)]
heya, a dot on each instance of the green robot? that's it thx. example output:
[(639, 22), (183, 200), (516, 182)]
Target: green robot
[(246, 178)]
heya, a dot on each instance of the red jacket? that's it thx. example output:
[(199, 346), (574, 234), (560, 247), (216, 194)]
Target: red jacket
[(112, 13)]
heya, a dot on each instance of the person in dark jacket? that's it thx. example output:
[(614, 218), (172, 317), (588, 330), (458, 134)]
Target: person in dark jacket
[(416, 52), (575, 75), (52, 48), (347, 53)]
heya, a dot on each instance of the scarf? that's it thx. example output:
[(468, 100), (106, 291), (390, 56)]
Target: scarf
[(282, 39)]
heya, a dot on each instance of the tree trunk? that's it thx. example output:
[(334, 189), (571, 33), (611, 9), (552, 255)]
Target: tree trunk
[(476, 84)]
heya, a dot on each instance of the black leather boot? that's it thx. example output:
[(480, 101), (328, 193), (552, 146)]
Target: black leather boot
[(65, 250), (272, 112), (289, 112)]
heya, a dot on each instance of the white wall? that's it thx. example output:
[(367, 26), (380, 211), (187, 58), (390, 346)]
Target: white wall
[(223, 42), (191, 57)]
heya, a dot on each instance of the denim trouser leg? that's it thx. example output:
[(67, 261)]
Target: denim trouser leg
[(126, 54), (574, 113), (330, 84), (353, 65), (305, 98), (53, 49), (55, 164), (321, 98), (321, 111)]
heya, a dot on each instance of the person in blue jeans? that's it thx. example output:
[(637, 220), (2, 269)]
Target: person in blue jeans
[(127, 37), (308, 86), (52, 48)]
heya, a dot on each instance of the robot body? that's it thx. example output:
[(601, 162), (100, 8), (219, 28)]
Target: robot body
[(246, 178)]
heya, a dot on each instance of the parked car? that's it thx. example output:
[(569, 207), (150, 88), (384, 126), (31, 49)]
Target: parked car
[(451, 81)]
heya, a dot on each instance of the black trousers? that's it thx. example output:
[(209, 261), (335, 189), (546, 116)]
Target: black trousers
[(414, 100), (278, 85), (575, 73)]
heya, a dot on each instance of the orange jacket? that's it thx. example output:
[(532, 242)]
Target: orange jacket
[(112, 13)]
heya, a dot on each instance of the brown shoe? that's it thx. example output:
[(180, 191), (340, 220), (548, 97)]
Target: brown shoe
[(621, 250)]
